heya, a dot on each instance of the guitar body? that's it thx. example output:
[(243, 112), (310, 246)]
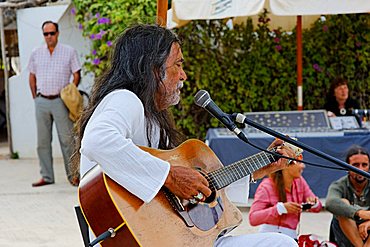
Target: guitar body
[(105, 204)]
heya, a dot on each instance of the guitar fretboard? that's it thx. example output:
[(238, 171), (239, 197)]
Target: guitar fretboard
[(224, 176)]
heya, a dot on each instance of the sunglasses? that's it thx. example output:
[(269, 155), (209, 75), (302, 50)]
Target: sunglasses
[(49, 33)]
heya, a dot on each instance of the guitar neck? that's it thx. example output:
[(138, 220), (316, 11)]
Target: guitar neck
[(224, 176)]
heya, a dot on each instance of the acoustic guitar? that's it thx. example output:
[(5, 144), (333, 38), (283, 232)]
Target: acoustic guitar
[(167, 220)]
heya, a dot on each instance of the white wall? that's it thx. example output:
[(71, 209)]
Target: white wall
[(22, 112)]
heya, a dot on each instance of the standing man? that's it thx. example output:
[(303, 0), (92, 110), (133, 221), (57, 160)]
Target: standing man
[(51, 67), (349, 200)]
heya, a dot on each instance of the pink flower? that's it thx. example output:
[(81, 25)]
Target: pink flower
[(98, 36), (325, 28), (103, 20), (316, 67), (278, 47), (96, 61), (109, 43), (276, 40)]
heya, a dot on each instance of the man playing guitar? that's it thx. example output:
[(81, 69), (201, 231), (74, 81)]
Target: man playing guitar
[(128, 111)]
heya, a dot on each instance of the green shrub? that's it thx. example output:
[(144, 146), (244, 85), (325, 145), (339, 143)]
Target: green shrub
[(254, 69), (102, 21), (246, 68), (338, 46)]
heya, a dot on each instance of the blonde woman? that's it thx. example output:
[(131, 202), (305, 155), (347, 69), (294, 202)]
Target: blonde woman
[(280, 199)]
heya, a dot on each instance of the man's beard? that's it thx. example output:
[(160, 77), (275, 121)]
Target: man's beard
[(174, 99), (359, 179)]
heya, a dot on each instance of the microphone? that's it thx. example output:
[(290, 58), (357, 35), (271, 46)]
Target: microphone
[(203, 100)]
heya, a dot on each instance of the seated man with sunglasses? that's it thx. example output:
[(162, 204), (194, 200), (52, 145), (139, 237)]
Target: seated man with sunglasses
[(51, 67), (349, 200)]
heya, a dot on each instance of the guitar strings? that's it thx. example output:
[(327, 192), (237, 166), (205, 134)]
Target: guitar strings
[(226, 175)]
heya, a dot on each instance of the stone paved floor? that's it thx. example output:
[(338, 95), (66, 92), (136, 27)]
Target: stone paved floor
[(43, 217), (311, 223)]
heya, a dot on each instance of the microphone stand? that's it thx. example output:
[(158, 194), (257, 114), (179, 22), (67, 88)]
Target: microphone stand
[(240, 118)]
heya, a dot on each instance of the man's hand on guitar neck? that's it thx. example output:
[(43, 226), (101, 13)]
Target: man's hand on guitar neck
[(277, 165), (186, 183)]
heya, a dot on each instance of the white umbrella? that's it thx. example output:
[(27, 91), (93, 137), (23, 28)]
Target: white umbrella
[(220, 9)]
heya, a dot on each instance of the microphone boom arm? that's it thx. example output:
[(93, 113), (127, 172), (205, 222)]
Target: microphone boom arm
[(240, 118)]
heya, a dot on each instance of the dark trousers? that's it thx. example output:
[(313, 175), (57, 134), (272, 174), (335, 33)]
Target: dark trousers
[(340, 238)]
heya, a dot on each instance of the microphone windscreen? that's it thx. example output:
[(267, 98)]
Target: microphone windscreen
[(202, 98)]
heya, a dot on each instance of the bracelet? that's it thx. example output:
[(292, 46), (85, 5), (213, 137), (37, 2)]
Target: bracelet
[(251, 180)]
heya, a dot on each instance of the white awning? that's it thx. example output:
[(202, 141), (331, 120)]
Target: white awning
[(318, 7), (220, 9), (215, 9)]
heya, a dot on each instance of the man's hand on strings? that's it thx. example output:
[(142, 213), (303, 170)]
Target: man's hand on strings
[(187, 183), (280, 163)]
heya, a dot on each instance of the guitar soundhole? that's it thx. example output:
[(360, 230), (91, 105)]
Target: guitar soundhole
[(205, 216), (211, 198)]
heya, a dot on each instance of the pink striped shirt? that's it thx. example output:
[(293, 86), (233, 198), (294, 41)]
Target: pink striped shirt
[(264, 211), (53, 71)]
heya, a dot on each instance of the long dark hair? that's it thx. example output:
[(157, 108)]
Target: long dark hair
[(278, 179), (138, 65), (338, 81)]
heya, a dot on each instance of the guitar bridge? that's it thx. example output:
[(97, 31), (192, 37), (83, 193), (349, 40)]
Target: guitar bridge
[(178, 207)]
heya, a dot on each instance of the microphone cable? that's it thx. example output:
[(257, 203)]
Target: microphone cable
[(244, 138), (293, 159)]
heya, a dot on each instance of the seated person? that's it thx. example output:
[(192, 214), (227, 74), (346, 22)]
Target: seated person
[(277, 204), (338, 101), (348, 200)]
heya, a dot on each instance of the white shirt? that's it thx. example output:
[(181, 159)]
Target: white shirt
[(111, 135), (110, 139), (53, 71), (280, 229)]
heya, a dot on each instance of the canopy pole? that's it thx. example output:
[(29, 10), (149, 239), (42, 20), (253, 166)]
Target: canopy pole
[(6, 82), (299, 63), (162, 6)]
